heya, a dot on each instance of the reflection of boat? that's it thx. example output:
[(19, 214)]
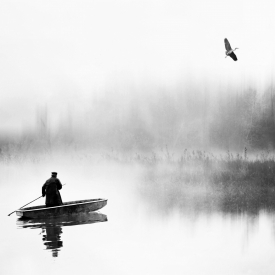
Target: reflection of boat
[(52, 227), (67, 208), (74, 219)]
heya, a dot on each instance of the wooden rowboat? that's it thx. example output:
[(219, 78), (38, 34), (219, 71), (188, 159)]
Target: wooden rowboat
[(67, 208)]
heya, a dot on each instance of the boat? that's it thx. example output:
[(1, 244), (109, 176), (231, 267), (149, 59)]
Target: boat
[(67, 208)]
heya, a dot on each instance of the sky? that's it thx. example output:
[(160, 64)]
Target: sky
[(61, 53)]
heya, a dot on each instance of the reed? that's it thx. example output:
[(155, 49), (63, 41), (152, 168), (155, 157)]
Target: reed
[(201, 166), (199, 181)]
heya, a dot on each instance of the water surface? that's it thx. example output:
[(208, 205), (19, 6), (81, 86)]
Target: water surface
[(146, 227)]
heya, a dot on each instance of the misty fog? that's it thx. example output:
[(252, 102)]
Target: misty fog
[(134, 101), (137, 119), (135, 76)]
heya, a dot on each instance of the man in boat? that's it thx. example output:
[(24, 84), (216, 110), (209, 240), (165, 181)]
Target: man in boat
[(51, 189)]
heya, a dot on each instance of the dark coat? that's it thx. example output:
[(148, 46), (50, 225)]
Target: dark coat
[(50, 189)]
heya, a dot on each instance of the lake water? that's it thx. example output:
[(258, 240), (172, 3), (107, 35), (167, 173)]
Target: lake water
[(144, 229)]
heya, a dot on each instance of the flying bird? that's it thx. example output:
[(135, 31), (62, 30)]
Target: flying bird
[(229, 50)]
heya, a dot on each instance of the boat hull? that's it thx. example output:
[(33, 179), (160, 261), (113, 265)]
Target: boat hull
[(68, 208)]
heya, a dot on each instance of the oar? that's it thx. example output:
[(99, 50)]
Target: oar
[(25, 205)]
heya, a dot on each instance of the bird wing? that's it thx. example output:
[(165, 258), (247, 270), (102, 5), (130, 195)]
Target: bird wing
[(227, 45), (233, 56)]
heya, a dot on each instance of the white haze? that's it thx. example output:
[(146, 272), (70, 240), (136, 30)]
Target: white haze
[(65, 56)]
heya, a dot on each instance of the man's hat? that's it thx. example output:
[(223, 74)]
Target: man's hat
[(54, 173)]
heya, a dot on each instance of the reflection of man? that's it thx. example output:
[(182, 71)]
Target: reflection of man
[(50, 189), (52, 239)]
